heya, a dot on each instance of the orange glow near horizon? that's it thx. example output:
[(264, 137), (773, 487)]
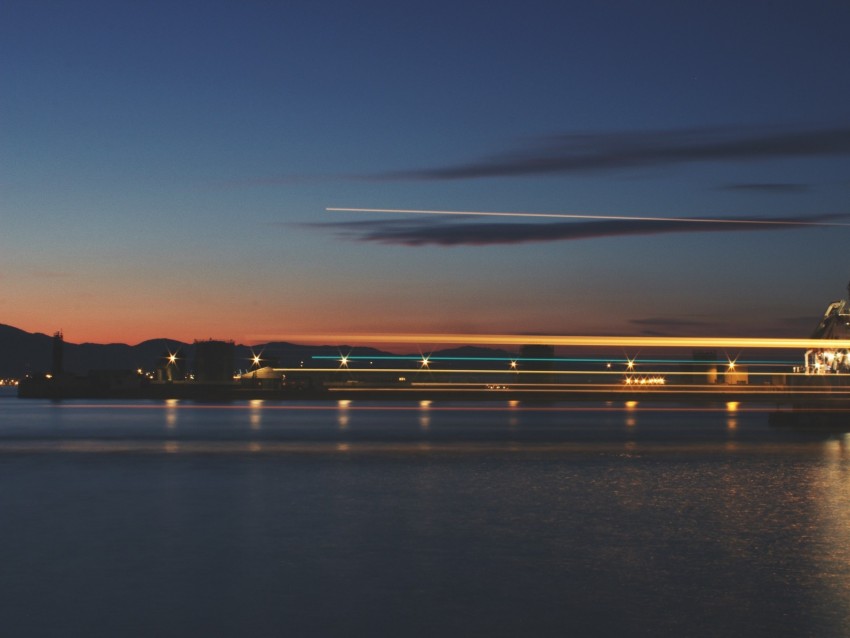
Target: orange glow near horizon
[(133, 315)]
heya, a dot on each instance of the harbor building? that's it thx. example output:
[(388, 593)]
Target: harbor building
[(214, 361)]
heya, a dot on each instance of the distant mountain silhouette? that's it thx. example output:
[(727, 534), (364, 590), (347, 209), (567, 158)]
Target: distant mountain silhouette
[(24, 352)]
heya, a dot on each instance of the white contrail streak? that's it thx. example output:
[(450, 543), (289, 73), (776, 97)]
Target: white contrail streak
[(690, 220)]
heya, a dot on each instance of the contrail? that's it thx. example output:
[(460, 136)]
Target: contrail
[(689, 220)]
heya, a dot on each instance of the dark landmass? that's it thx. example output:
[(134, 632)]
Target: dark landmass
[(23, 353)]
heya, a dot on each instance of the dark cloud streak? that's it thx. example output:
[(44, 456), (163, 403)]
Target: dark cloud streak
[(599, 152), (442, 232)]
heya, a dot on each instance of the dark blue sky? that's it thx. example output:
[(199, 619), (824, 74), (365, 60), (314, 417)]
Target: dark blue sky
[(165, 167)]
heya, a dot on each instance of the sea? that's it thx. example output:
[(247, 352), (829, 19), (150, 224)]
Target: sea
[(348, 518)]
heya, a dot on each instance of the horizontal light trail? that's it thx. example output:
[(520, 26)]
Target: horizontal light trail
[(716, 388), (566, 388), (413, 447), (631, 391), (334, 407), (563, 340), (687, 220), (612, 360), (511, 372)]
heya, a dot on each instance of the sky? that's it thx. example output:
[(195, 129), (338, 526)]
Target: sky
[(166, 169)]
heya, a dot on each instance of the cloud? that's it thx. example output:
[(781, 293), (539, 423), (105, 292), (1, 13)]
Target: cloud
[(448, 232), (778, 188), (600, 152)]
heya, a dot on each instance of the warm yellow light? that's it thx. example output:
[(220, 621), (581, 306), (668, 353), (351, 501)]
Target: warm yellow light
[(513, 365), (425, 363), (562, 340), (172, 358), (343, 361)]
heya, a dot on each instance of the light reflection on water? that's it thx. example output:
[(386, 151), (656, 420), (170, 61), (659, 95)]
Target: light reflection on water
[(185, 417), (831, 534), (331, 519), (732, 411), (171, 413), (256, 413), (343, 417), (424, 414)]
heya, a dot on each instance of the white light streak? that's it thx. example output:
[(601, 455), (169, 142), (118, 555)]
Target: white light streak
[(688, 220)]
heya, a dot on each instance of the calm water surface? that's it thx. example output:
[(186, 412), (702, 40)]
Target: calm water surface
[(327, 519)]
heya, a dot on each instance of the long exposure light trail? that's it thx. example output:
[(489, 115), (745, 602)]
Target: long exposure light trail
[(612, 360), (371, 407), (601, 390), (565, 340), (686, 220), (513, 374)]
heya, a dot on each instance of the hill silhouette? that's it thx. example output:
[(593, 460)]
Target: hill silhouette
[(24, 352)]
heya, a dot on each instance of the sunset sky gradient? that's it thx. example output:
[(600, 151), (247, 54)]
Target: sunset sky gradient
[(166, 168)]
